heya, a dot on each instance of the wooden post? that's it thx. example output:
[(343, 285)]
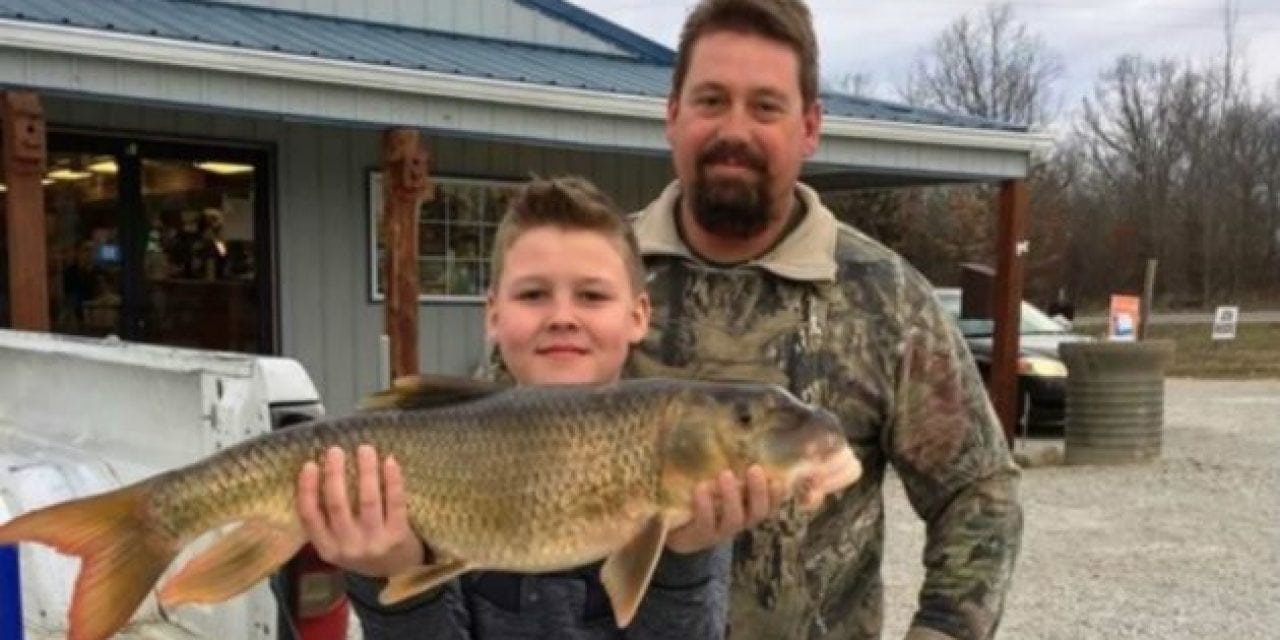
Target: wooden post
[(405, 184), (24, 165), (1011, 245), (1148, 299)]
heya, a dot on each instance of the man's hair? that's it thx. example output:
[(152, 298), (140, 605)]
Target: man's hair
[(786, 21), (570, 204)]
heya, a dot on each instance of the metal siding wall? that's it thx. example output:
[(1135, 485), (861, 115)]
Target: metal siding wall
[(489, 18), (341, 190), (300, 229), (366, 317)]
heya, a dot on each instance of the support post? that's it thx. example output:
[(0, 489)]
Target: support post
[(405, 184), (1011, 246), (24, 165), (1148, 299)]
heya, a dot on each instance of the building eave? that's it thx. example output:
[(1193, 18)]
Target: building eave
[(269, 64)]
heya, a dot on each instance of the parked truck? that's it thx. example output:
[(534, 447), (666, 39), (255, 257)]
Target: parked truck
[(81, 416)]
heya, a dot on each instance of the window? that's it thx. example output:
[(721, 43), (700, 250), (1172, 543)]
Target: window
[(455, 237), (157, 241)]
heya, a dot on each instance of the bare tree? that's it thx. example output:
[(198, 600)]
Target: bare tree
[(1183, 167), (860, 83), (989, 66)]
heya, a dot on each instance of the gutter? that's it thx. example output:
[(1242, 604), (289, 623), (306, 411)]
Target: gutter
[(18, 34)]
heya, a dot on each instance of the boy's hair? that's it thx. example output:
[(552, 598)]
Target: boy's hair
[(786, 21), (570, 204)]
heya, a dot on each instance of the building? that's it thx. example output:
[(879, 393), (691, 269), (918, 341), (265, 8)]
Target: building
[(237, 144)]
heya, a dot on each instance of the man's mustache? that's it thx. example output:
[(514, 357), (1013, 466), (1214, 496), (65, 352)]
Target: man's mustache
[(729, 151)]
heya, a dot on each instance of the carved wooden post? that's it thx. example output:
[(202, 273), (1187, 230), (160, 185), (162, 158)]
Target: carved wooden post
[(405, 185), (24, 164)]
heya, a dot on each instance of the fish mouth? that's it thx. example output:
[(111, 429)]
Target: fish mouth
[(837, 471), (832, 467)]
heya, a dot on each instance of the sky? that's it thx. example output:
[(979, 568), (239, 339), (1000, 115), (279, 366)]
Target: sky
[(880, 37)]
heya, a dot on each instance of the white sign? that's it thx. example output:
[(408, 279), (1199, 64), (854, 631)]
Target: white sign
[(1224, 323)]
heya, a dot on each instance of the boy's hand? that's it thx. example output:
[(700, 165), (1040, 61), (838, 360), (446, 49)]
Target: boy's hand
[(740, 508), (376, 541)]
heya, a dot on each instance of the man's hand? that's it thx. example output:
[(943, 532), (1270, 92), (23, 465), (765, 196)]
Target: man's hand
[(739, 508), (376, 541)]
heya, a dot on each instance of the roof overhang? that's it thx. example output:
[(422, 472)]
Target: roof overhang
[(362, 77)]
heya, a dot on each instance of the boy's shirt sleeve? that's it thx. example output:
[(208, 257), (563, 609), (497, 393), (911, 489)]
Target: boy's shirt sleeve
[(946, 443), (687, 597), (440, 613)]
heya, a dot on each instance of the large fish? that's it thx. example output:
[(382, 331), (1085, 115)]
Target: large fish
[(526, 479)]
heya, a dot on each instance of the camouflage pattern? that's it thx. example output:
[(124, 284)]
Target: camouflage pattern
[(875, 347)]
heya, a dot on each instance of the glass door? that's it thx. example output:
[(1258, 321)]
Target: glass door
[(83, 224), (158, 241), (204, 252)]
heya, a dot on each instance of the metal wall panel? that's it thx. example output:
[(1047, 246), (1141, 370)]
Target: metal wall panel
[(490, 18)]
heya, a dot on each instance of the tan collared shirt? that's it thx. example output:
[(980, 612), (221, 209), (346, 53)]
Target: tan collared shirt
[(806, 253)]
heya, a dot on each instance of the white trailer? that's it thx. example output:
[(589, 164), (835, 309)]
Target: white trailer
[(81, 416)]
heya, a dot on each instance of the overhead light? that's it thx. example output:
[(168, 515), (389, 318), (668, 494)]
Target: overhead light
[(3, 187), (105, 166), (69, 174), (46, 181), (225, 168)]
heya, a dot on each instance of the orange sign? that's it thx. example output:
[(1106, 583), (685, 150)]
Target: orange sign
[(1123, 323)]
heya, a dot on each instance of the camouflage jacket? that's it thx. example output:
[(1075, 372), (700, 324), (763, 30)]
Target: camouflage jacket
[(845, 323)]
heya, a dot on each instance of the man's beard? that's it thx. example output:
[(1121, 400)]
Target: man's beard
[(731, 207)]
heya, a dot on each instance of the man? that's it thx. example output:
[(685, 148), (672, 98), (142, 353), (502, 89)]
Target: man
[(752, 277)]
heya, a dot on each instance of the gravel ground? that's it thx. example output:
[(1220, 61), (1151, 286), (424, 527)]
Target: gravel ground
[(1186, 547)]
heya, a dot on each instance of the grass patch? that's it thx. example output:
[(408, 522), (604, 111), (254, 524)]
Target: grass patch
[(1255, 353)]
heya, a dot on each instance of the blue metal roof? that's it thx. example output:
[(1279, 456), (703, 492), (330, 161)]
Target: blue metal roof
[(629, 40), (646, 73), (843, 104)]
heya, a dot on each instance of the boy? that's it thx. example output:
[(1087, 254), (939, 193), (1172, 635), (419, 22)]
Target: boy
[(565, 305)]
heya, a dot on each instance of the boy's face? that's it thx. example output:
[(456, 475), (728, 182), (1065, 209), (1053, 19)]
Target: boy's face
[(564, 311)]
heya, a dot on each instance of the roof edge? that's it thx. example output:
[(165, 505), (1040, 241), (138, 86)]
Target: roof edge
[(150, 50), (903, 107), (614, 33)]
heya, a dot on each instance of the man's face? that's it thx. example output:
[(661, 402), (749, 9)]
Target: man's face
[(739, 132)]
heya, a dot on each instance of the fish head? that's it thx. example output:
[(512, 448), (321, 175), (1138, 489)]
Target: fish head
[(733, 426)]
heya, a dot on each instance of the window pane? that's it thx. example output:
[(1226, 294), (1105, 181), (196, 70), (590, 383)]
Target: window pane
[(432, 276), (199, 260), (455, 236), (83, 213)]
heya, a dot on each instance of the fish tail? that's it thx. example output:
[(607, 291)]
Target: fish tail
[(120, 558)]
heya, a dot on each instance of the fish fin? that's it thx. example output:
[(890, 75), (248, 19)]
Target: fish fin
[(626, 573), (120, 558), (403, 586), (426, 391), (233, 563)]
